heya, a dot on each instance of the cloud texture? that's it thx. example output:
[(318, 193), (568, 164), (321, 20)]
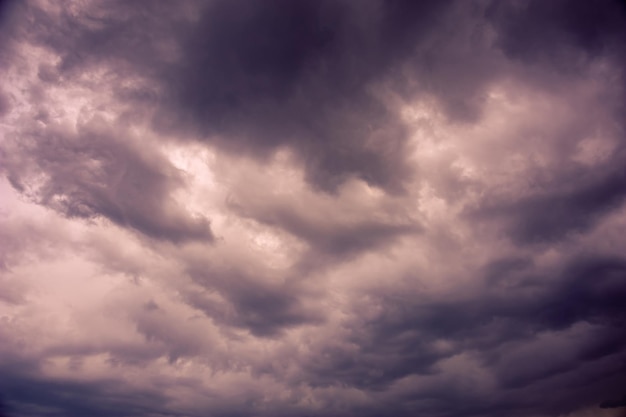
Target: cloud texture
[(312, 208)]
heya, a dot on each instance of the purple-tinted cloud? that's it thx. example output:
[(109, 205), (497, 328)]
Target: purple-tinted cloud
[(312, 208)]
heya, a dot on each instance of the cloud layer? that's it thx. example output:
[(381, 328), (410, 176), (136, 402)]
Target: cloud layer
[(312, 208)]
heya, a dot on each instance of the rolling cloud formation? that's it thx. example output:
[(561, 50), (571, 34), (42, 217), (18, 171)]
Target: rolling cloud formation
[(312, 208)]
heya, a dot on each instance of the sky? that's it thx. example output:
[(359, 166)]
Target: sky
[(307, 208)]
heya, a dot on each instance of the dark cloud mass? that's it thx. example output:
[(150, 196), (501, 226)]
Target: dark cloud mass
[(258, 76), (91, 172), (312, 208)]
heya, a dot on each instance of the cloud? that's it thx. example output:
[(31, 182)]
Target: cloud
[(312, 208), (94, 172), (572, 28), (613, 403)]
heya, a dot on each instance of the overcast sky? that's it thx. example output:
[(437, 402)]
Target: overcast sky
[(311, 208)]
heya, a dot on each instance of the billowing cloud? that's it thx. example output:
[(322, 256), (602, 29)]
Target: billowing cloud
[(312, 208)]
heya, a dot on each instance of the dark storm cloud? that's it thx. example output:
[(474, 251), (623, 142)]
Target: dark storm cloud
[(552, 216), (35, 397), (264, 312), (570, 202), (590, 290), (568, 196), (249, 88), (256, 77), (412, 334), (328, 235), (326, 80), (96, 171), (566, 34), (614, 403), (566, 38), (4, 104), (324, 89), (265, 309), (6, 9)]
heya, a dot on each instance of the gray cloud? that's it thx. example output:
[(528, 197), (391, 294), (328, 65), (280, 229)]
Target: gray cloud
[(266, 310), (613, 403), (312, 208), (94, 172)]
